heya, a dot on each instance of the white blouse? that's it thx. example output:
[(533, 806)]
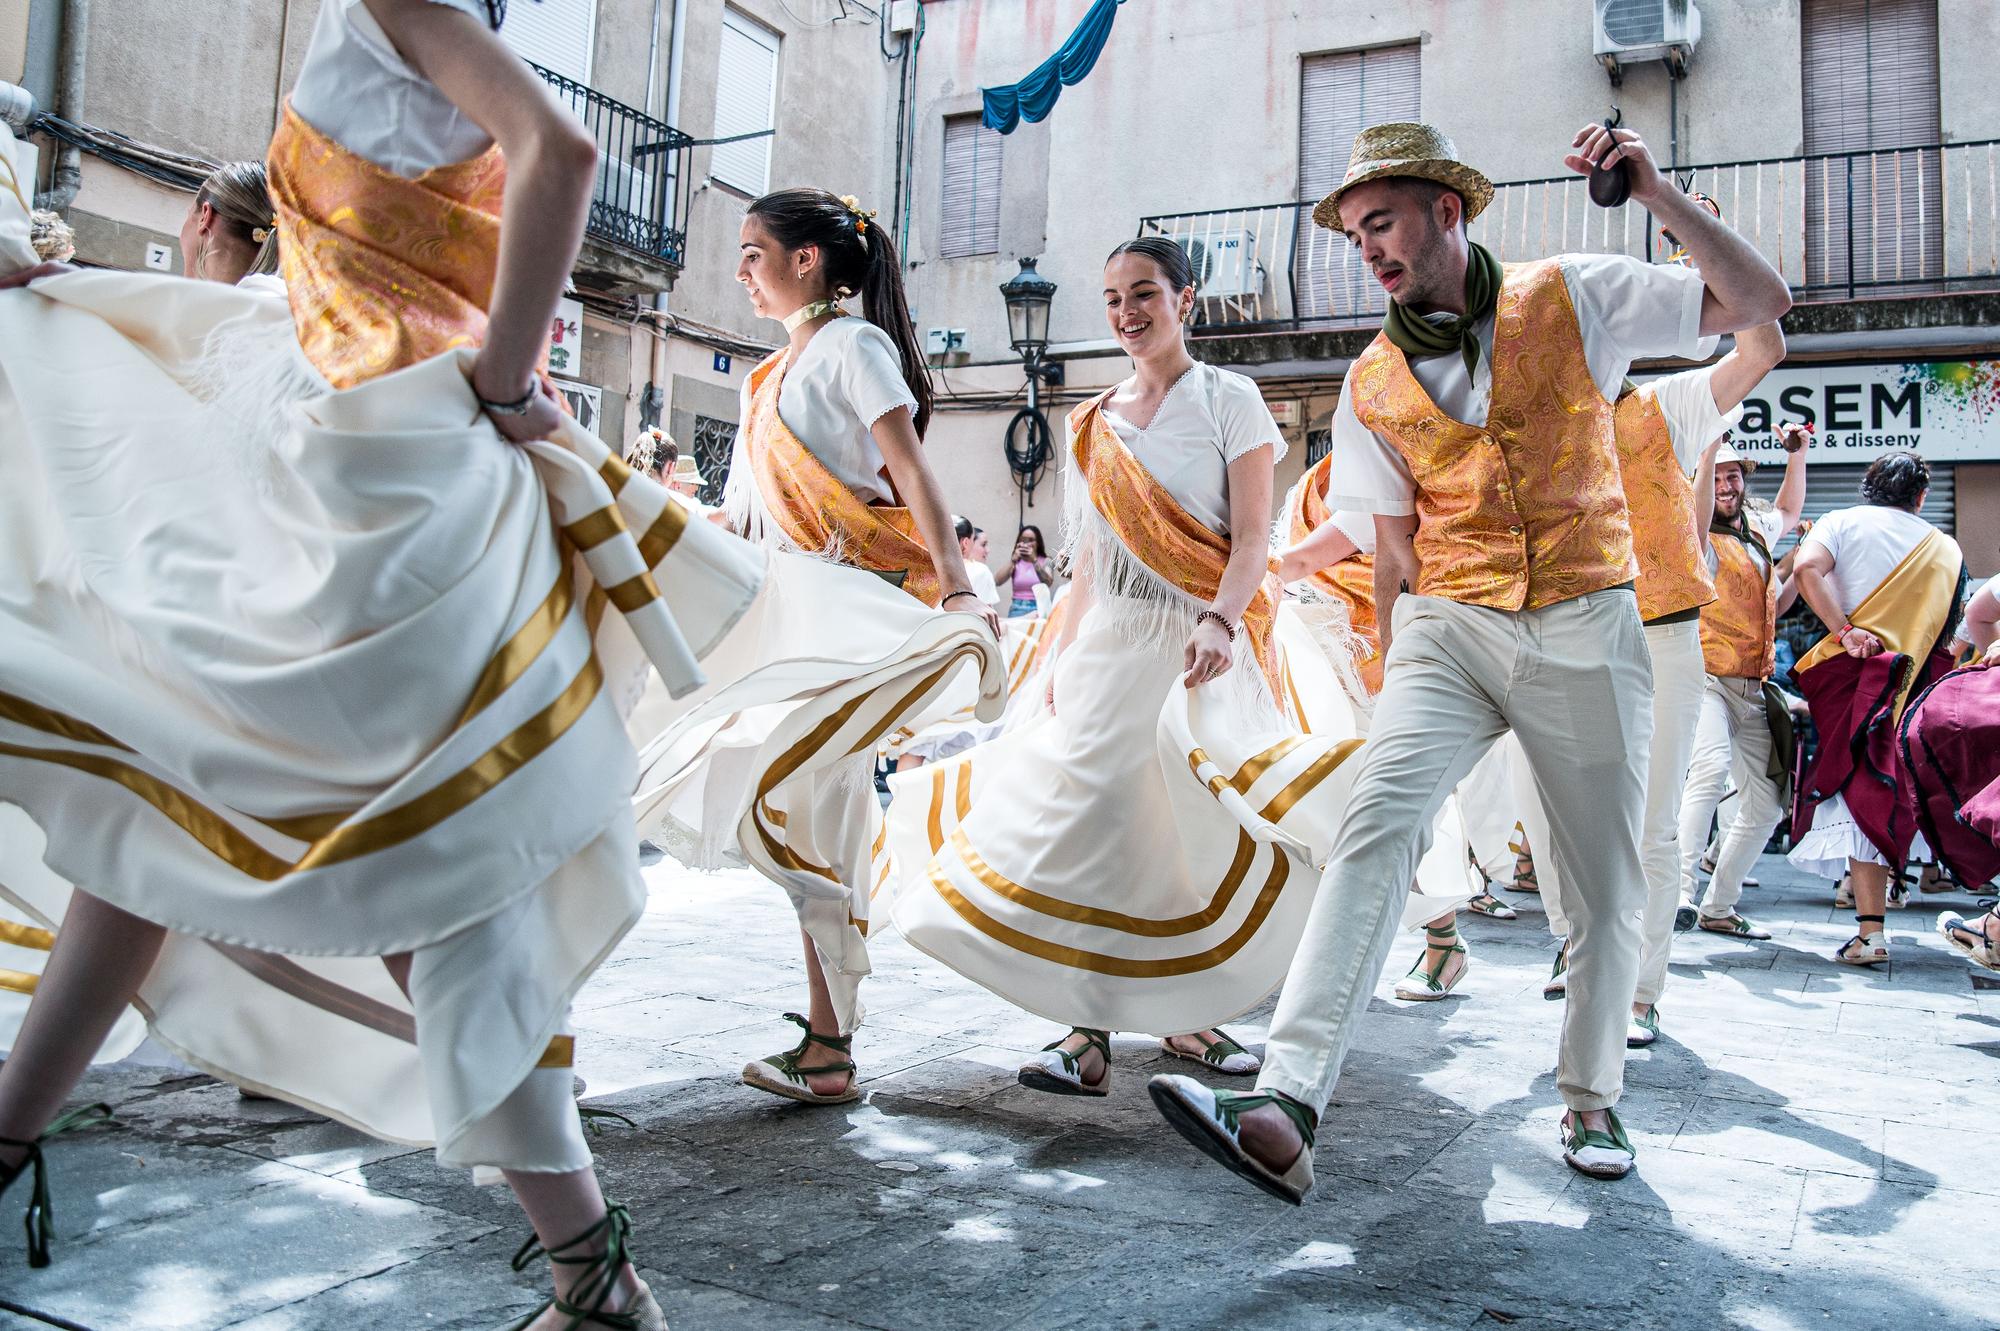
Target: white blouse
[(848, 377), (357, 90), (1208, 419)]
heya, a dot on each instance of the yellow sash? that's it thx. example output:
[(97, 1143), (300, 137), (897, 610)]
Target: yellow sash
[(1160, 533), (1907, 611), (816, 512), (1351, 581), (383, 272)]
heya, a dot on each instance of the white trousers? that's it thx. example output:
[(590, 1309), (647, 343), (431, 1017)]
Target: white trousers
[(1574, 684), (1732, 744), (1678, 685)]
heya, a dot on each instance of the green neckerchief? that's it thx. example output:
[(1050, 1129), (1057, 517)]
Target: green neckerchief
[(1419, 338), (1747, 532)]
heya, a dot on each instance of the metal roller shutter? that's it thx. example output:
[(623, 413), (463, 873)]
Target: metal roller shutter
[(555, 34), (1340, 95), (746, 100), (969, 219), (1837, 485)]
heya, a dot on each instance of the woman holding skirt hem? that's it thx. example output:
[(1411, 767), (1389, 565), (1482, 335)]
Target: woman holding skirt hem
[(1140, 857), (847, 643)]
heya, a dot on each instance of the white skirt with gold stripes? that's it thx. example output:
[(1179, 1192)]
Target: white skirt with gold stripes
[(318, 697), (773, 764), (1142, 860)]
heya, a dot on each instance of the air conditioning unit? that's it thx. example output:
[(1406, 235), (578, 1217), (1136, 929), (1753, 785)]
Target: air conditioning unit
[(1629, 31), (1225, 264)]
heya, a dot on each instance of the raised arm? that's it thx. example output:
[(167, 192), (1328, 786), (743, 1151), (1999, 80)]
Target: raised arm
[(1758, 351), (1742, 289), (1395, 568), (1704, 494), (1791, 500), (551, 166)]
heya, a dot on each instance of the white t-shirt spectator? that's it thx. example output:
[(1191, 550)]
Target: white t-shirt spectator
[(983, 585)]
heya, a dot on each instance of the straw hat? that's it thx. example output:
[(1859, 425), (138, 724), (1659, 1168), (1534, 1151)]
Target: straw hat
[(1726, 454), (1406, 148), (688, 472)]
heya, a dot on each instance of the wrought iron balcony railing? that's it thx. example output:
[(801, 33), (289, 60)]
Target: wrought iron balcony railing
[(1838, 226), (641, 200)]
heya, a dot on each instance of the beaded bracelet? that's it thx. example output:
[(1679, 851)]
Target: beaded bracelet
[(1216, 615)]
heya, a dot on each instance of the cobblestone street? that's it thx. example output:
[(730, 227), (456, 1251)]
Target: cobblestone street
[(1809, 1156)]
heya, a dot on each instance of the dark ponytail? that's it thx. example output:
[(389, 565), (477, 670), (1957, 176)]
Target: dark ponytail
[(859, 259)]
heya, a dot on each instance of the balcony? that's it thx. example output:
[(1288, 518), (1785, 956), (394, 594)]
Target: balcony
[(1841, 228), (636, 239)]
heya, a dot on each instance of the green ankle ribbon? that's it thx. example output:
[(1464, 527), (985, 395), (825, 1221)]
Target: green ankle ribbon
[(1420, 339)]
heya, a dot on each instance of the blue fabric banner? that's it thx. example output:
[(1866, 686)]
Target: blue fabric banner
[(1035, 96)]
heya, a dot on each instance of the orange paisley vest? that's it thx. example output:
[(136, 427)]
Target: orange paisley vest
[(1666, 535), (1739, 627), (1527, 510)]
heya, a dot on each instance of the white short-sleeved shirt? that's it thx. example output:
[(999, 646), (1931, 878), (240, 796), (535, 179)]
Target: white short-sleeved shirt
[(1687, 403), (1356, 527), (1208, 419), (1625, 310), (848, 377), (357, 90), (1866, 542), (983, 585)]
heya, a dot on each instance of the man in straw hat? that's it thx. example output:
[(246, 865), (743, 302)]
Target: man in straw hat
[(1478, 430), (1739, 633)]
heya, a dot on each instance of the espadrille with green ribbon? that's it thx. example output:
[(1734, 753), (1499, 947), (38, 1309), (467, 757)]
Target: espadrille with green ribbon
[(1426, 983), (1213, 1120), (780, 1074), (1600, 1154), (586, 1301), (40, 1219), (1221, 1053), (1059, 1071)]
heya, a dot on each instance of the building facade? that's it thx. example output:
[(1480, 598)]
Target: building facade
[(1852, 140)]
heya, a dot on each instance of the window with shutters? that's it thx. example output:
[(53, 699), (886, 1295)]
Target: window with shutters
[(1874, 209), (746, 100), (555, 34), (1339, 96), (970, 209)]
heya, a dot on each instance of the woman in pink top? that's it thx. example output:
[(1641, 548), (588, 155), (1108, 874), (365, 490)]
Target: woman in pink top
[(1031, 567)]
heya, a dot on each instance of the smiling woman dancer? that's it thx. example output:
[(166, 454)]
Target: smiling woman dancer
[(306, 661), (1138, 860), (829, 474)]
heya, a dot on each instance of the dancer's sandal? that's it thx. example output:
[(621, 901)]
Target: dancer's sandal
[(1556, 987), (1868, 947), (1734, 925), (1212, 1120), (1492, 907), (41, 1218), (597, 1282), (1524, 874), (1222, 1053), (1643, 1031), (1059, 1071), (1708, 867), (1843, 893), (1427, 984), (1972, 939), (1605, 1155), (780, 1074)]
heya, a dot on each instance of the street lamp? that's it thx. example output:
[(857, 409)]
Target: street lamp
[(1029, 295)]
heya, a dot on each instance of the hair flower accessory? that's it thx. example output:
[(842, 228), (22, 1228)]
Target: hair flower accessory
[(862, 217)]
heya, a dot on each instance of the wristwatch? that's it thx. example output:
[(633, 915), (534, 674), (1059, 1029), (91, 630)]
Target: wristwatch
[(518, 407)]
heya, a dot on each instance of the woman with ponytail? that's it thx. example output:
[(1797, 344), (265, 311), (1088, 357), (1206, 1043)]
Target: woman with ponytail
[(829, 476)]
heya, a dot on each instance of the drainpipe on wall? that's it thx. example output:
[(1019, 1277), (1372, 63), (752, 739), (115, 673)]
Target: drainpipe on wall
[(67, 178)]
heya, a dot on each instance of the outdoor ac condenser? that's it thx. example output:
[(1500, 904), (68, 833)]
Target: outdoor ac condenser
[(1224, 263), (1628, 31)]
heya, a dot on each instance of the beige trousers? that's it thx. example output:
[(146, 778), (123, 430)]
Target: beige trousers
[(1574, 683), (1732, 745), (1678, 682)]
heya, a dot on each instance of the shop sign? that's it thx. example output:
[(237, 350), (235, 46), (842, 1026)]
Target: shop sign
[(1945, 410)]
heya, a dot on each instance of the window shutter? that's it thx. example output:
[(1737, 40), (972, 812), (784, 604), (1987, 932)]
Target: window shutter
[(745, 101), (1340, 95), (970, 207), (1870, 85), (555, 34)]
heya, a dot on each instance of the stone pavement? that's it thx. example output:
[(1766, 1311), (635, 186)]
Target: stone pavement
[(1812, 1153)]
